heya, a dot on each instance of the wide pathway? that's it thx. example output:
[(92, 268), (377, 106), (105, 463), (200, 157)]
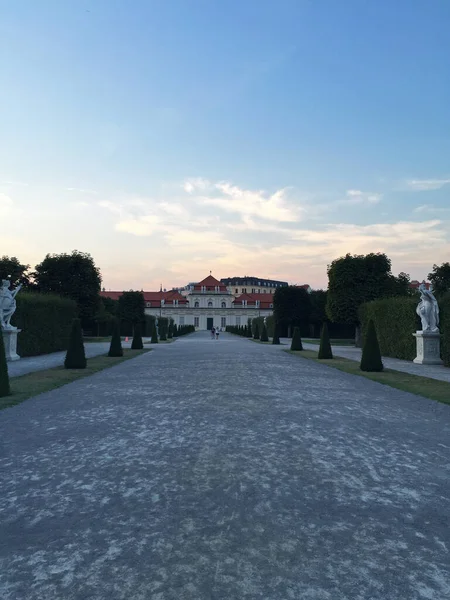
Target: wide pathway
[(224, 470)]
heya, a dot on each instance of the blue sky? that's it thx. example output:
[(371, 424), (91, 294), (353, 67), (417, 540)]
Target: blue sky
[(262, 137)]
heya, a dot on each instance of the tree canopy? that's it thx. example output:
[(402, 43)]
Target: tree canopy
[(355, 279), (440, 278), (11, 268), (291, 305), (74, 276), (132, 307)]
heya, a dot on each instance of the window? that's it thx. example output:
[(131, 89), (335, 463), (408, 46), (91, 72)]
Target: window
[(244, 302), (224, 305), (271, 306), (253, 291), (196, 321), (181, 320), (210, 304), (238, 321), (197, 304), (203, 288), (175, 302), (223, 322), (244, 290), (237, 291), (148, 304), (257, 303)]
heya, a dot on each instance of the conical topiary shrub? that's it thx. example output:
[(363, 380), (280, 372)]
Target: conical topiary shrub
[(75, 356), (249, 328), (175, 330), (170, 330), (154, 339), (371, 355), (137, 343), (325, 345), (264, 337), (5, 389), (276, 335), (115, 348), (296, 343), (256, 331)]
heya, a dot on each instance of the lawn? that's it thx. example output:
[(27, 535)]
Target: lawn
[(32, 384), (423, 386)]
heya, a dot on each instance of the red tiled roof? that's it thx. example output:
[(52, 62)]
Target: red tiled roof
[(265, 300), (210, 283), (153, 297), (414, 284)]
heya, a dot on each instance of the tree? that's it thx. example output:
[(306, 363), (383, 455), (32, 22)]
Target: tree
[(256, 331), (325, 351), (5, 389), (132, 307), (264, 337), (276, 336), (11, 268), (137, 338), (170, 330), (318, 310), (440, 278), (175, 330), (371, 355), (353, 280), (154, 339), (115, 348), (249, 328), (296, 343), (75, 356), (73, 276), (291, 306)]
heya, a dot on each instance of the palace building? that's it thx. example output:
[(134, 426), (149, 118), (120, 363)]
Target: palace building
[(211, 303)]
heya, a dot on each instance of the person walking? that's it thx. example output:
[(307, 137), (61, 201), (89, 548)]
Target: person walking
[(217, 333), (213, 332)]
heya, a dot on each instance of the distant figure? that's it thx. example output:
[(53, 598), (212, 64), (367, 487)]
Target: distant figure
[(213, 333), (217, 333)]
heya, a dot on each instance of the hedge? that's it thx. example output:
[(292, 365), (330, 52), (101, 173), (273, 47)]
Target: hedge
[(45, 321), (395, 322), (444, 325)]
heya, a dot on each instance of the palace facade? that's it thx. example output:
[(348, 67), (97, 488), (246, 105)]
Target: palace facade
[(209, 303)]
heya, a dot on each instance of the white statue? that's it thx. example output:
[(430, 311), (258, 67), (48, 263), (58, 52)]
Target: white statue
[(428, 310), (8, 305)]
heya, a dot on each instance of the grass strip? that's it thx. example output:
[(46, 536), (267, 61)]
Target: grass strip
[(38, 382), (415, 384)]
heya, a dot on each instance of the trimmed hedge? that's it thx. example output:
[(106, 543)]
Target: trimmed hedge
[(45, 321), (395, 322), (444, 325)]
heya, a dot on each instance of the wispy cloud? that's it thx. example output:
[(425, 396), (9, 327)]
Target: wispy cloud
[(422, 185), (82, 191), (430, 208), (359, 197)]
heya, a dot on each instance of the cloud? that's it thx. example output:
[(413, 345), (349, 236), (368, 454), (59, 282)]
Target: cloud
[(430, 208), (8, 210), (359, 197), (82, 191), (141, 226), (421, 185)]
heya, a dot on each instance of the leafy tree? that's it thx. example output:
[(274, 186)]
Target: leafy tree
[(5, 389), (102, 316), (276, 336), (74, 276), (11, 268), (115, 348), (291, 306), (325, 345), (264, 337), (371, 355), (440, 278), (132, 307), (154, 339), (354, 280), (137, 338), (296, 343), (75, 356), (111, 306)]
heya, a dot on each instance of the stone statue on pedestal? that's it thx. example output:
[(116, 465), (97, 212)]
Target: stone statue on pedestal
[(428, 310), (8, 305)]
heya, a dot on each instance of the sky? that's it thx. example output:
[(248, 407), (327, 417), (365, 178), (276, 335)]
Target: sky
[(170, 138)]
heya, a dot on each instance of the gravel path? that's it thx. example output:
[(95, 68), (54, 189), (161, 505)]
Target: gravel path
[(224, 470)]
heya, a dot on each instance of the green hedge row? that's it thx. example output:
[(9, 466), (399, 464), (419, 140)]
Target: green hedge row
[(444, 325), (45, 321)]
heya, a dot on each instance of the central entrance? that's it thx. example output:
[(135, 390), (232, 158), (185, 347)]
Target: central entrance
[(209, 323)]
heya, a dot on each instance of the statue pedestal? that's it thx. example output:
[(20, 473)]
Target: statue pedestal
[(428, 348), (10, 342)]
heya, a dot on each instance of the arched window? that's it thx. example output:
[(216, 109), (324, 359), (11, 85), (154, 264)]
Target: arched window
[(197, 305), (210, 304), (224, 305)]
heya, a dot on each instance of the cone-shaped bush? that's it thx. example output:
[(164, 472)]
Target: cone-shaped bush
[(5, 390), (371, 355), (296, 343), (256, 332), (264, 337), (276, 335), (115, 348), (325, 345), (75, 356), (137, 338), (175, 330), (154, 339)]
